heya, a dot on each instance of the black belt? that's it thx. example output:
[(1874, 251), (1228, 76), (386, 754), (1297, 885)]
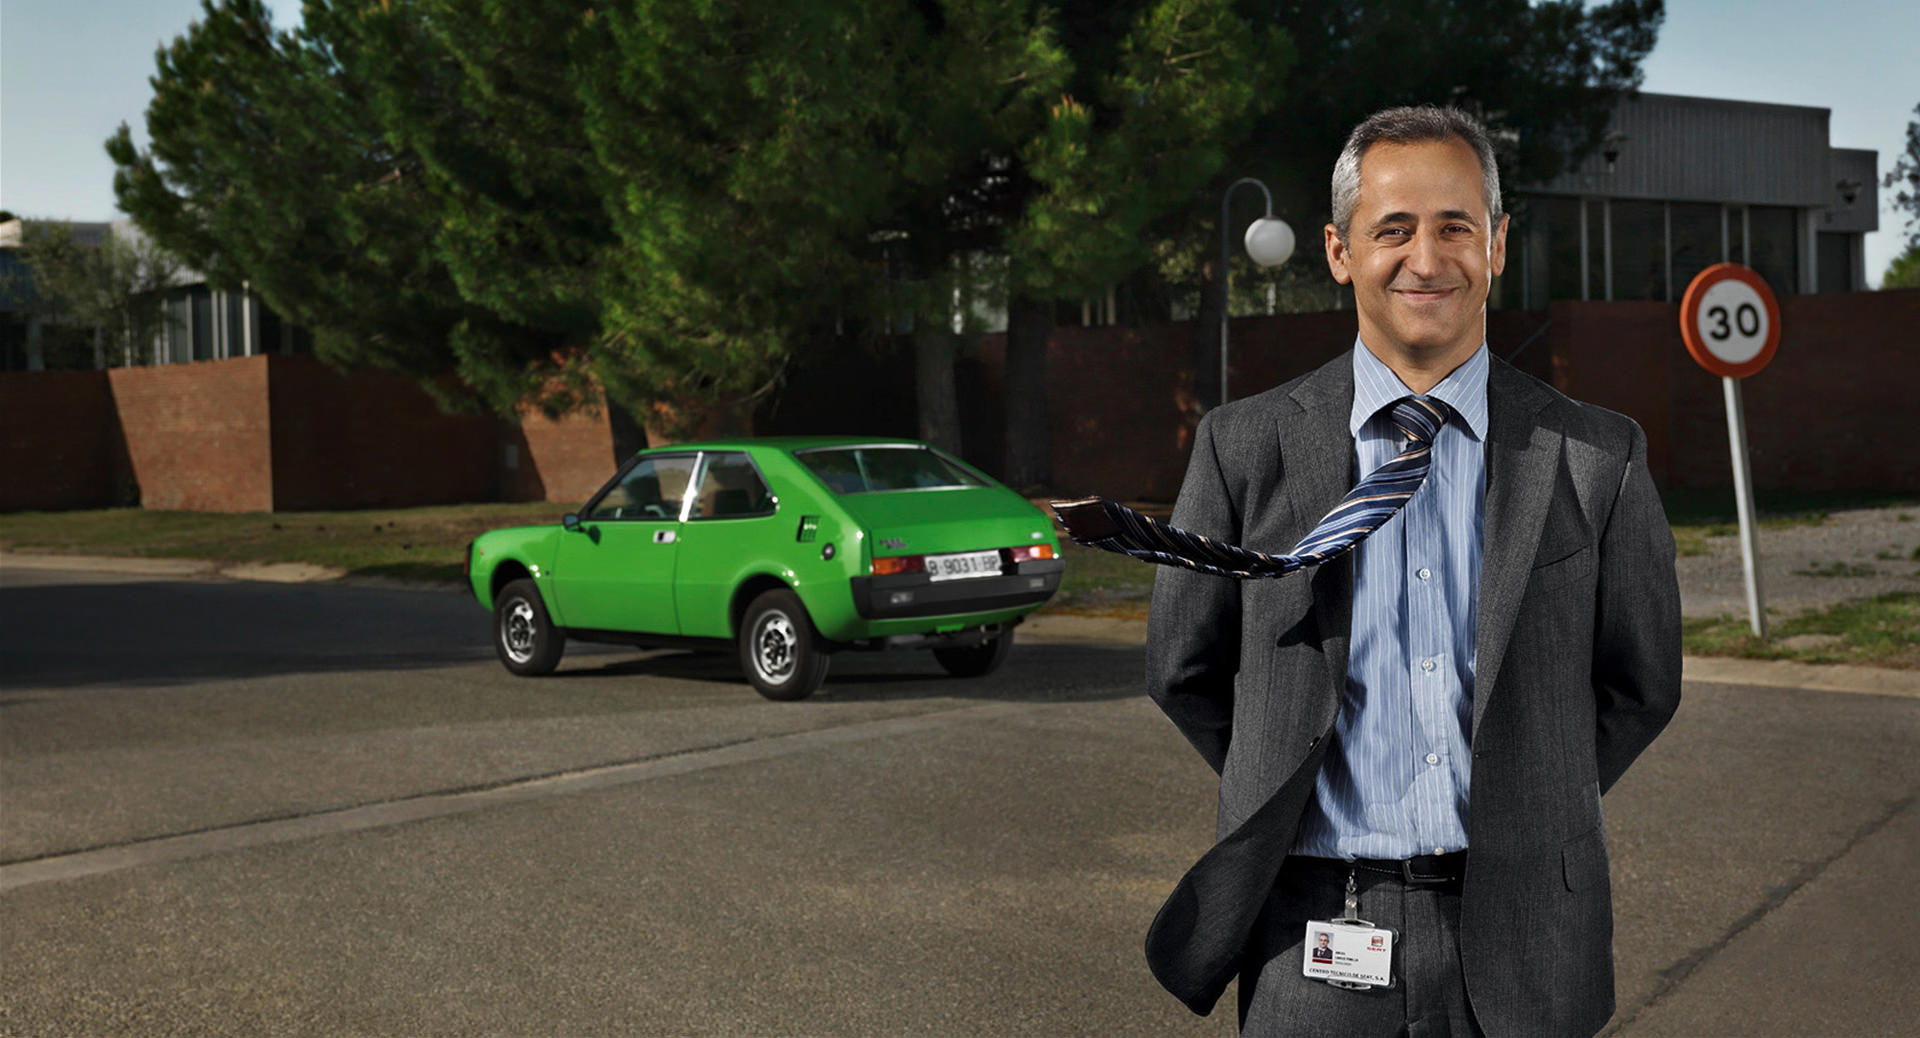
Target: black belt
[(1423, 870)]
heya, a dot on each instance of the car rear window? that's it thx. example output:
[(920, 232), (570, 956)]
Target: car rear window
[(864, 470)]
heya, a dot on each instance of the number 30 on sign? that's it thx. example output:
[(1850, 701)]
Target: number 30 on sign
[(1730, 321)]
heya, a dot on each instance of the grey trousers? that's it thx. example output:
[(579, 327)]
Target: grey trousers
[(1430, 998)]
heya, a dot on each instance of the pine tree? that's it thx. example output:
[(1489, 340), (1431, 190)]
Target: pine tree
[(266, 166)]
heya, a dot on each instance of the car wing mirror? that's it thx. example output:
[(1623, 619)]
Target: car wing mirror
[(571, 521)]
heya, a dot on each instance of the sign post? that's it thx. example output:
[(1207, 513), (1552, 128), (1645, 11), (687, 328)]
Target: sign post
[(1731, 325)]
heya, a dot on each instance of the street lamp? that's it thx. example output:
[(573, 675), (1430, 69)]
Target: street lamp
[(1269, 242)]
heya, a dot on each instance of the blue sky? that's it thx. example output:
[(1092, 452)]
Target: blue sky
[(71, 71)]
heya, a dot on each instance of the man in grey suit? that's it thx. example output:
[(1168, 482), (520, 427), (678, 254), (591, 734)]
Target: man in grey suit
[(1423, 727)]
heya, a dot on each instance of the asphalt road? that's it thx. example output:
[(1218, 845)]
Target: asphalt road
[(238, 808)]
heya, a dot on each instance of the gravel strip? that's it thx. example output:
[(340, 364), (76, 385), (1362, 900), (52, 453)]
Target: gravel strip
[(1854, 554)]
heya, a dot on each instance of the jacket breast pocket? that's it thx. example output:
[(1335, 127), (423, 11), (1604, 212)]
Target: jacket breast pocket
[(1561, 570)]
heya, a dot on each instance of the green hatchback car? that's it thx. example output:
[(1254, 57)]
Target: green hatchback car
[(782, 549)]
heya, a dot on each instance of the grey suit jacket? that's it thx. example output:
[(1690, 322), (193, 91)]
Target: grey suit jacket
[(1577, 669)]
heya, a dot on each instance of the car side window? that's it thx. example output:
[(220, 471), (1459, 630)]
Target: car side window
[(652, 489), (731, 488)]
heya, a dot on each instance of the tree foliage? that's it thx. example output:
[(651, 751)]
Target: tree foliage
[(1904, 271), (668, 199), (752, 146), (266, 167), (1904, 180), (99, 299), (1084, 125)]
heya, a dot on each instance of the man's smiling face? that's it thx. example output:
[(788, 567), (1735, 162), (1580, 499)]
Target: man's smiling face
[(1421, 251)]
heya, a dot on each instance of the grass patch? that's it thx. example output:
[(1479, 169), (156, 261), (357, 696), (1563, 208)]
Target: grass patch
[(1101, 583), (1883, 631), (1700, 515), (1715, 509), (1837, 569), (408, 543)]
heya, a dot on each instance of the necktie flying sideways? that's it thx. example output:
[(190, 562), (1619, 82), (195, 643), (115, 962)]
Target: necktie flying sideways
[(1100, 523)]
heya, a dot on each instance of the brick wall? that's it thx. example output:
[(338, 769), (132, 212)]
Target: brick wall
[(60, 442), (198, 435), (1627, 357), (371, 440), (1835, 409), (1121, 401), (1832, 412), (563, 460), (1827, 414)]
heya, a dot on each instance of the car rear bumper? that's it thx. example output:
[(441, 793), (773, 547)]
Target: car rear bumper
[(908, 595)]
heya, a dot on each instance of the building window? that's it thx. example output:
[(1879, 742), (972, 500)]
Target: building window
[(1695, 241), (270, 331), (1508, 291), (1835, 260), (235, 307), (1773, 246), (177, 349), (200, 323), (1556, 267), (1597, 232), (1639, 250)]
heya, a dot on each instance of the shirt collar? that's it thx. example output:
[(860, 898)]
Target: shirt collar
[(1375, 386)]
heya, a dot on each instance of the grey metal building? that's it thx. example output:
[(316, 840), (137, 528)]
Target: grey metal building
[(200, 322), (1686, 182)]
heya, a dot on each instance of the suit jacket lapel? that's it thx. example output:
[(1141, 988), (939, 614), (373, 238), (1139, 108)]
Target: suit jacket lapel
[(1317, 451), (1521, 461)]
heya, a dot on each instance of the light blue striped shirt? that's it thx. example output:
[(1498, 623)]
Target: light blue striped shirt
[(1394, 784)]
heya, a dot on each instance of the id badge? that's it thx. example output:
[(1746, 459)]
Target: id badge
[(1348, 953)]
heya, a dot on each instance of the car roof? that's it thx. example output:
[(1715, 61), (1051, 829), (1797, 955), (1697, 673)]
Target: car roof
[(789, 443)]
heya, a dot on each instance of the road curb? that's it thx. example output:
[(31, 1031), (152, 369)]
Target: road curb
[(130, 565), (124, 564), (1819, 677)]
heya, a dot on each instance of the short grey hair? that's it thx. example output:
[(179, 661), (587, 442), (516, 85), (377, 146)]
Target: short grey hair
[(1410, 125)]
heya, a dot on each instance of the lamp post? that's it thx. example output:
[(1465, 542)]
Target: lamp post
[(1269, 242)]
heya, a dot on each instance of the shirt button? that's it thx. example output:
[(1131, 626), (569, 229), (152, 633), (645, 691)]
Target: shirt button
[(1433, 758), (1424, 573), (1426, 664)]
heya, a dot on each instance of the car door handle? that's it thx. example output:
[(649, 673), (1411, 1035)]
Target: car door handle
[(664, 536)]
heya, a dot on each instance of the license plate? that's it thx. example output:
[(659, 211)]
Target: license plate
[(964, 565)]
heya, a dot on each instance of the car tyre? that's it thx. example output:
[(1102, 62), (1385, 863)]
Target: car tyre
[(778, 648), (527, 641), (976, 661)]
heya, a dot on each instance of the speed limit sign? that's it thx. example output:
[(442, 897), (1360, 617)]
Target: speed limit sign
[(1730, 321), (1731, 325)]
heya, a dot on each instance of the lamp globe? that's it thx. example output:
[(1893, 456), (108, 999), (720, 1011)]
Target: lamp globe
[(1269, 241)]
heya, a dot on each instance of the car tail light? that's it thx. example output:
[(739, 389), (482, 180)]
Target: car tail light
[(899, 564), (1030, 552)]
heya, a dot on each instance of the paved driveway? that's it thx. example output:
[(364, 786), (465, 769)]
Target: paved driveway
[(235, 808)]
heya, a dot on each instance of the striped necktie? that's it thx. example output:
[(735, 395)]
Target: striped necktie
[(1099, 523)]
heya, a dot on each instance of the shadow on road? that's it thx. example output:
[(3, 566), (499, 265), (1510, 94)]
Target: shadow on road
[(162, 633), (1040, 672), (69, 634)]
